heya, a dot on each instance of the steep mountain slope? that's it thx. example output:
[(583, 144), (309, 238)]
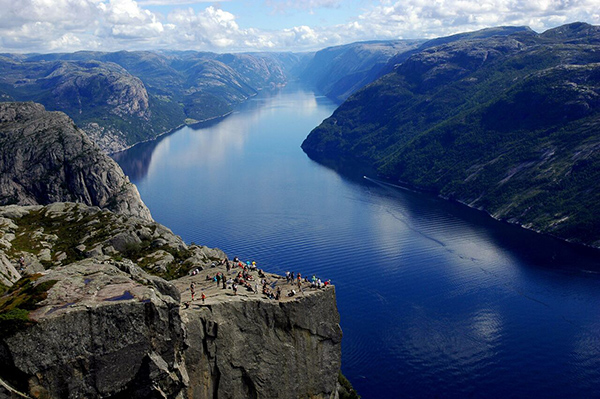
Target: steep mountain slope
[(506, 124), (339, 71), (44, 158)]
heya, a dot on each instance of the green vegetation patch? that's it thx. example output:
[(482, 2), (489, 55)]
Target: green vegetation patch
[(505, 128), (346, 390), (19, 301), (72, 232), (174, 269), (69, 227)]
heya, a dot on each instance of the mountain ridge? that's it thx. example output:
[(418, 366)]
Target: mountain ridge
[(123, 98)]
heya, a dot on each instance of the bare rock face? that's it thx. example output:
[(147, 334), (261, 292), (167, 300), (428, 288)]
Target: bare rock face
[(45, 158), (260, 348)]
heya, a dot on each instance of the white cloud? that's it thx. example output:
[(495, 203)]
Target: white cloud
[(69, 25), (68, 40), (172, 2), (211, 27), (126, 19), (281, 6), (68, 14), (419, 18)]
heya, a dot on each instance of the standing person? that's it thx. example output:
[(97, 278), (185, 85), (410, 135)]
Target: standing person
[(287, 276), (203, 297), (227, 265), (234, 289), (192, 289)]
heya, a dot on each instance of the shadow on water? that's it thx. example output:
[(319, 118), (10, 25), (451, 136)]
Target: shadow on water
[(136, 160), (530, 247)]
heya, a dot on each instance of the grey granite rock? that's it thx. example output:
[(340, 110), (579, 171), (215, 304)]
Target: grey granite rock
[(98, 333), (45, 158), (264, 349)]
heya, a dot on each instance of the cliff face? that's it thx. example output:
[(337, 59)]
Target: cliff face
[(88, 320), (264, 348), (44, 158)]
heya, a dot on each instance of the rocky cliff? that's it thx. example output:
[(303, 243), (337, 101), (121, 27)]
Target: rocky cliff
[(45, 158), (89, 320), (247, 346)]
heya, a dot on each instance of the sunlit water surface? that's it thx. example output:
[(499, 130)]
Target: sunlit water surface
[(436, 300)]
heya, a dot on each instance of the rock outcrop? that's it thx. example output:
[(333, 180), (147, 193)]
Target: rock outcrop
[(100, 332), (62, 233), (45, 158), (87, 319), (248, 346)]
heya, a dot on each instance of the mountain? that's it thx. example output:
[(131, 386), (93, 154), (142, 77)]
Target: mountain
[(45, 158), (339, 71), (506, 124), (124, 98), (479, 34)]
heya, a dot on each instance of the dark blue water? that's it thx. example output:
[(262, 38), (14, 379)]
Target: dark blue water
[(436, 300)]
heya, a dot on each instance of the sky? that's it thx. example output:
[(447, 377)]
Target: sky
[(48, 26)]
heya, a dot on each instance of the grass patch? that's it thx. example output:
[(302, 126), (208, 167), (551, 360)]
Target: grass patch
[(346, 390), (69, 228), (19, 301)]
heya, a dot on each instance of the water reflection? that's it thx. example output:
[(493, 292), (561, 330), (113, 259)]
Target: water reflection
[(136, 160)]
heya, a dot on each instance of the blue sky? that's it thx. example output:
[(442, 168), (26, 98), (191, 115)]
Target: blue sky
[(262, 25), (279, 15)]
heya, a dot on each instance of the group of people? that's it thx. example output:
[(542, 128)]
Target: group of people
[(251, 283), (314, 281)]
